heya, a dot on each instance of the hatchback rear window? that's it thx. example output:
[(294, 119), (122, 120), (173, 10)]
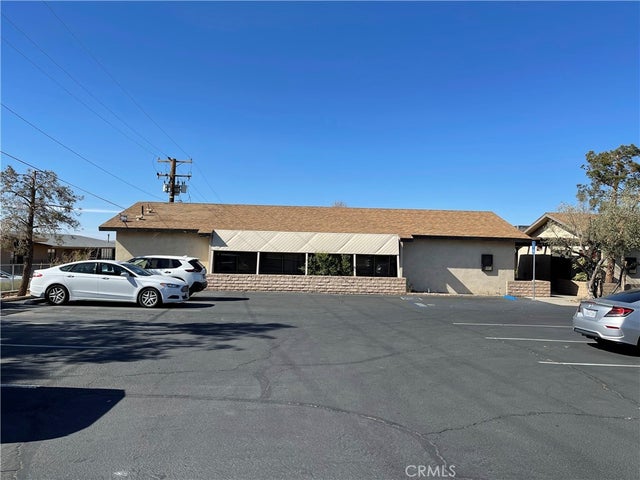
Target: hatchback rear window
[(198, 267)]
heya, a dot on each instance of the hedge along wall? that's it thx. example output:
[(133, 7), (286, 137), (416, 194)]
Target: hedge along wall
[(307, 284)]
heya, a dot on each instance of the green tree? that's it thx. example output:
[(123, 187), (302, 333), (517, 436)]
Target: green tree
[(328, 264), (610, 173), (614, 193), (33, 204)]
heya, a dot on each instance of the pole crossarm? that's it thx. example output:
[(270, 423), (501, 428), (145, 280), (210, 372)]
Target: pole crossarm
[(172, 175)]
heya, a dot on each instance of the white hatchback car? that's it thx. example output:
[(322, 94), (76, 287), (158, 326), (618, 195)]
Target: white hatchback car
[(186, 268), (106, 280)]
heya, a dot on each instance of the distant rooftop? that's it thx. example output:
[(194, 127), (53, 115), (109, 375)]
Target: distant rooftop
[(75, 241)]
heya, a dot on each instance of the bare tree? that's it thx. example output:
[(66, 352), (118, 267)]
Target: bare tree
[(33, 204), (576, 237)]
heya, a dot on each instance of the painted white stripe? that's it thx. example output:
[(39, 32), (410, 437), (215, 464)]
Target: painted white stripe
[(420, 304), (511, 325), (591, 364), (536, 340), (78, 347)]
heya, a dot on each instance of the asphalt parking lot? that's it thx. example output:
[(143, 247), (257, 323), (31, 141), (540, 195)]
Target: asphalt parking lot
[(294, 386)]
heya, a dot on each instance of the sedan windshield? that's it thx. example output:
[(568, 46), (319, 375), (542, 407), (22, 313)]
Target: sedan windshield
[(136, 269)]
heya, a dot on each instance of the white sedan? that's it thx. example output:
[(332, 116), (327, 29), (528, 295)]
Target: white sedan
[(106, 280)]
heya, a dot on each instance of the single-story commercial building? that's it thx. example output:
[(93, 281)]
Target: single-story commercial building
[(247, 247)]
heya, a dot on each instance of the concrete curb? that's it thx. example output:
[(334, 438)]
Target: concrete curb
[(16, 299)]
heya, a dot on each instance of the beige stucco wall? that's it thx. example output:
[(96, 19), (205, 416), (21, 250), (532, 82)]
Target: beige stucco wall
[(131, 244), (454, 266), (552, 230)]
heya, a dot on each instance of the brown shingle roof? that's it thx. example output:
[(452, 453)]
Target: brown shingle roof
[(205, 217)]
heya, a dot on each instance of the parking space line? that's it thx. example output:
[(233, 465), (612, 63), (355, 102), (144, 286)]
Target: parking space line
[(511, 325), (536, 340), (591, 364)]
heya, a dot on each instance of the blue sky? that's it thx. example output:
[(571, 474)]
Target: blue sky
[(429, 105)]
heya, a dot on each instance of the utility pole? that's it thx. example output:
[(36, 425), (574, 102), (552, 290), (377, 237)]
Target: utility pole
[(171, 187), (31, 216)]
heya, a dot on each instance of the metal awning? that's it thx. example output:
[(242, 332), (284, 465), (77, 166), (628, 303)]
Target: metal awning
[(305, 242)]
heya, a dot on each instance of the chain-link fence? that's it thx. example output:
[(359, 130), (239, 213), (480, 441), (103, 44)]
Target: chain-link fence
[(11, 274)]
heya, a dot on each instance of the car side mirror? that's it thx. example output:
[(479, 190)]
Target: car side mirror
[(125, 274)]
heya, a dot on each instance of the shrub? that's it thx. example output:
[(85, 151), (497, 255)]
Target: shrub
[(330, 264)]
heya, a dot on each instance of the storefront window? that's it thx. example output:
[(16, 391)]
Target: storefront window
[(376, 266), (282, 263), (235, 262)]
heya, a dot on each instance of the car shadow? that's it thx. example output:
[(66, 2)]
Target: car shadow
[(96, 303), (618, 348), (199, 296), (190, 304), (32, 414)]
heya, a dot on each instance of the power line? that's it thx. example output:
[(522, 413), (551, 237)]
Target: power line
[(113, 78), (77, 82), (75, 97), (90, 54), (64, 181), (208, 184), (76, 153)]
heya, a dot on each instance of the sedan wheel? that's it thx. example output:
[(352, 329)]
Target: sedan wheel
[(149, 298), (57, 295)]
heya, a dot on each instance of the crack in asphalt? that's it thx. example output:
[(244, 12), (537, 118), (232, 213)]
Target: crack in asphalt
[(527, 415), (426, 443), (605, 386), (353, 362), (20, 464)]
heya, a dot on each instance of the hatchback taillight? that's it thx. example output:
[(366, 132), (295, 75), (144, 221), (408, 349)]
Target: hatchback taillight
[(36, 275), (619, 312)]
